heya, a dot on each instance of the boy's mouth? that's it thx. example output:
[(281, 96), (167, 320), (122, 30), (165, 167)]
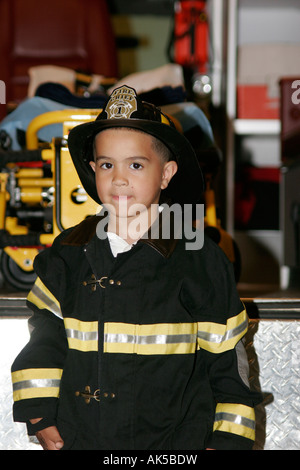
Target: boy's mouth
[(121, 198)]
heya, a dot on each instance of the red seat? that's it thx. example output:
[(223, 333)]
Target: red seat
[(71, 33)]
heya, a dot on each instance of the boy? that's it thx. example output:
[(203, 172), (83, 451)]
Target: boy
[(135, 340)]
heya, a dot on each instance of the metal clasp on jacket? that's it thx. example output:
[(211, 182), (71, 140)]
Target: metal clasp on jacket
[(93, 282), (87, 395)]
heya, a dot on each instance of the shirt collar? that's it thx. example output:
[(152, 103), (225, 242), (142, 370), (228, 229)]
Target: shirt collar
[(83, 233)]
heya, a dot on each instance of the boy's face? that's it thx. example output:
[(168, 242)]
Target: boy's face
[(128, 171)]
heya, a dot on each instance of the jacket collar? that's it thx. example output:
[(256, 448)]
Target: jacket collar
[(83, 233)]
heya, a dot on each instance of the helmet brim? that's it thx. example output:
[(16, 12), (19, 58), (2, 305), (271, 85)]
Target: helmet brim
[(186, 186)]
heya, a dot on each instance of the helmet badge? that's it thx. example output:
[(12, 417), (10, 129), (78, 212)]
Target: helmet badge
[(122, 103)]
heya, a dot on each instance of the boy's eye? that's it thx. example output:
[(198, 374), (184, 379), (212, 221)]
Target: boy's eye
[(136, 166), (106, 166)]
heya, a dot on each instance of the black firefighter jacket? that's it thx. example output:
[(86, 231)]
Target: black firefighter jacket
[(140, 351)]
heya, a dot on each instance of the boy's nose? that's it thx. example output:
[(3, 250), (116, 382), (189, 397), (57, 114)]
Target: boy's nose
[(119, 178)]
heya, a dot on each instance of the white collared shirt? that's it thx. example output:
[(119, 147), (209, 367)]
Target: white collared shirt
[(118, 244)]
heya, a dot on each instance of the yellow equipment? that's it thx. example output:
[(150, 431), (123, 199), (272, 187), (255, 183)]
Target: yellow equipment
[(40, 196)]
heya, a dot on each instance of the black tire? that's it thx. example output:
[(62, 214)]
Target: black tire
[(14, 275)]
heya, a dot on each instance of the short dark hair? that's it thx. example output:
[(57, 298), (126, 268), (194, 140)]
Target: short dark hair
[(158, 146), (162, 150)]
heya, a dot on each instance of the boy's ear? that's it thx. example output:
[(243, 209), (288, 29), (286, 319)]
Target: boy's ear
[(169, 170), (92, 164)]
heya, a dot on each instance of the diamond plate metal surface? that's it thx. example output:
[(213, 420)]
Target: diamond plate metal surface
[(273, 348), (13, 336)]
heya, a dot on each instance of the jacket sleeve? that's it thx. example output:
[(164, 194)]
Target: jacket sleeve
[(234, 420), (37, 370), (221, 329)]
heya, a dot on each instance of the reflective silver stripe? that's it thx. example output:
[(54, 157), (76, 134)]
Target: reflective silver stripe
[(150, 339), (237, 419), (82, 335), (215, 338), (37, 383), (153, 339), (43, 298), (242, 362)]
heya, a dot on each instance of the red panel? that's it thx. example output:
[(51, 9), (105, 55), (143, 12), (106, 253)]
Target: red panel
[(191, 35), (253, 102)]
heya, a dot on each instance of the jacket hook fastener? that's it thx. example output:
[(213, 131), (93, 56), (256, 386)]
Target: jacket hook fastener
[(87, 395), (93, 282)]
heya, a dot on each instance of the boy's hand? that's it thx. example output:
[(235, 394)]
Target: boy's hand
[(49, 438)]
